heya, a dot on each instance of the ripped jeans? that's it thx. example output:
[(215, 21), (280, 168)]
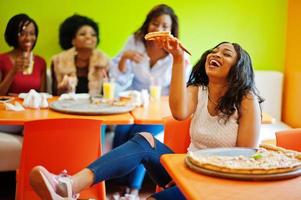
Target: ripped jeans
[(123, 159)]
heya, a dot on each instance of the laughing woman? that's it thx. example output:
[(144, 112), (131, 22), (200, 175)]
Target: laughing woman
[(221, 98)]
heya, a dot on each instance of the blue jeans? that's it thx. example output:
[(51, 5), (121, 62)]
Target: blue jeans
[(122, 134), (170, 193), (123, 159)]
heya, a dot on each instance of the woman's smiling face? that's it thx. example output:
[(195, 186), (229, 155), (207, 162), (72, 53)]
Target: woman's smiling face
[(27, 37), (85, 38), (220, 61)]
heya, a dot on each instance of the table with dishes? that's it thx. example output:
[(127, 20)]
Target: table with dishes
[(10, 117), (153, 112)]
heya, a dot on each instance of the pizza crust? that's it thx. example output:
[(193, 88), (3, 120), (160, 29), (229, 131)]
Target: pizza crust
[(152, 35), (274, 160), (166, 34)]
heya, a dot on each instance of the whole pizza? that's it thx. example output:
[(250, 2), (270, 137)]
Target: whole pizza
[(267, 159)]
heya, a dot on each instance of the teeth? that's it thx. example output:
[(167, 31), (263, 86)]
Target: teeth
[(214, 62)]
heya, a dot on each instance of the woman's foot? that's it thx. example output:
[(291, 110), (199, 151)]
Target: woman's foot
[(51, 186)]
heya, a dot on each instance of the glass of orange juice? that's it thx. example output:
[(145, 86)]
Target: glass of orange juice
[(154, 88), (155, 91), (108, 87)]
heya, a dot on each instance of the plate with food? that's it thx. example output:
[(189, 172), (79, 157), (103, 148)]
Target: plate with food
[(128, 94), (268, 162), (92, 106)]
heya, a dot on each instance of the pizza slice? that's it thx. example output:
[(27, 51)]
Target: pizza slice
[(166, 34)]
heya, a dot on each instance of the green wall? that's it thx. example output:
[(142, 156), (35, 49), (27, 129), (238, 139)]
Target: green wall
[(258, 25)]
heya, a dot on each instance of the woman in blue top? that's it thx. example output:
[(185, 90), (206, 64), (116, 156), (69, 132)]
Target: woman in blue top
[(140, 64)]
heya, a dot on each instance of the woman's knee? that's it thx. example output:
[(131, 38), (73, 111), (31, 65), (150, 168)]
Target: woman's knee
[(149, 137)]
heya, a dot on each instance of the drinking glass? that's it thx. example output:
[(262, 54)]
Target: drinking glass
[(108, 89)]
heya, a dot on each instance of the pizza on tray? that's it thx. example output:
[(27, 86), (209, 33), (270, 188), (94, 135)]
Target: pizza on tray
[(112, 102), (268, 159)]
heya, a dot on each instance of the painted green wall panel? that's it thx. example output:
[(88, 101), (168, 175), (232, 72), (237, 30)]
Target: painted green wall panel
[(259, 26)]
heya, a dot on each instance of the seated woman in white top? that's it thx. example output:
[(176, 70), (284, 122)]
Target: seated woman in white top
[(142, 62), (225, 108), (139, 65)]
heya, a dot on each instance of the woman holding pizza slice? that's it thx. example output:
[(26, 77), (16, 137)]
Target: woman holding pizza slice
[(140, 64), (221, 98)]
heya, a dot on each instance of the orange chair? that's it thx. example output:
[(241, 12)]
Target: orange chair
[(176, 134), (289, 139), (59, 144)]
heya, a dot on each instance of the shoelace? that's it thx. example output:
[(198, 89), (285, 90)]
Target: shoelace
[(64, 174)]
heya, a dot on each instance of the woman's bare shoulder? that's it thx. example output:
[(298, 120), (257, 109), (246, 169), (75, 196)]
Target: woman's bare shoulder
[(249, 100)]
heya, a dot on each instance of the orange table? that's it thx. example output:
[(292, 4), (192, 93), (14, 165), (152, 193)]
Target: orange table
[(18, 118), (158, 109), (153, 113), (197, 186)]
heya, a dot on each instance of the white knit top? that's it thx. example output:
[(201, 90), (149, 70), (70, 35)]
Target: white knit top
[(208, 131)]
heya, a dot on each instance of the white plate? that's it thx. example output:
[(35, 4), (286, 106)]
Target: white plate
[(23, 95)]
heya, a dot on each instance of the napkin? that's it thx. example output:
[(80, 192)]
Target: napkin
[(135, 98), (35, 100), (44, 102), (144, 97), (23, 95), (14, 107)]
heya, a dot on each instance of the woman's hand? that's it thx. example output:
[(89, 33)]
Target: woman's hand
[(21, 62), (135, 56), (102, 72), (67, 84), (171, 45)]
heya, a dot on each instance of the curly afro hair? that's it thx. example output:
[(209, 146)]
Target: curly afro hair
[(71, 25)]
